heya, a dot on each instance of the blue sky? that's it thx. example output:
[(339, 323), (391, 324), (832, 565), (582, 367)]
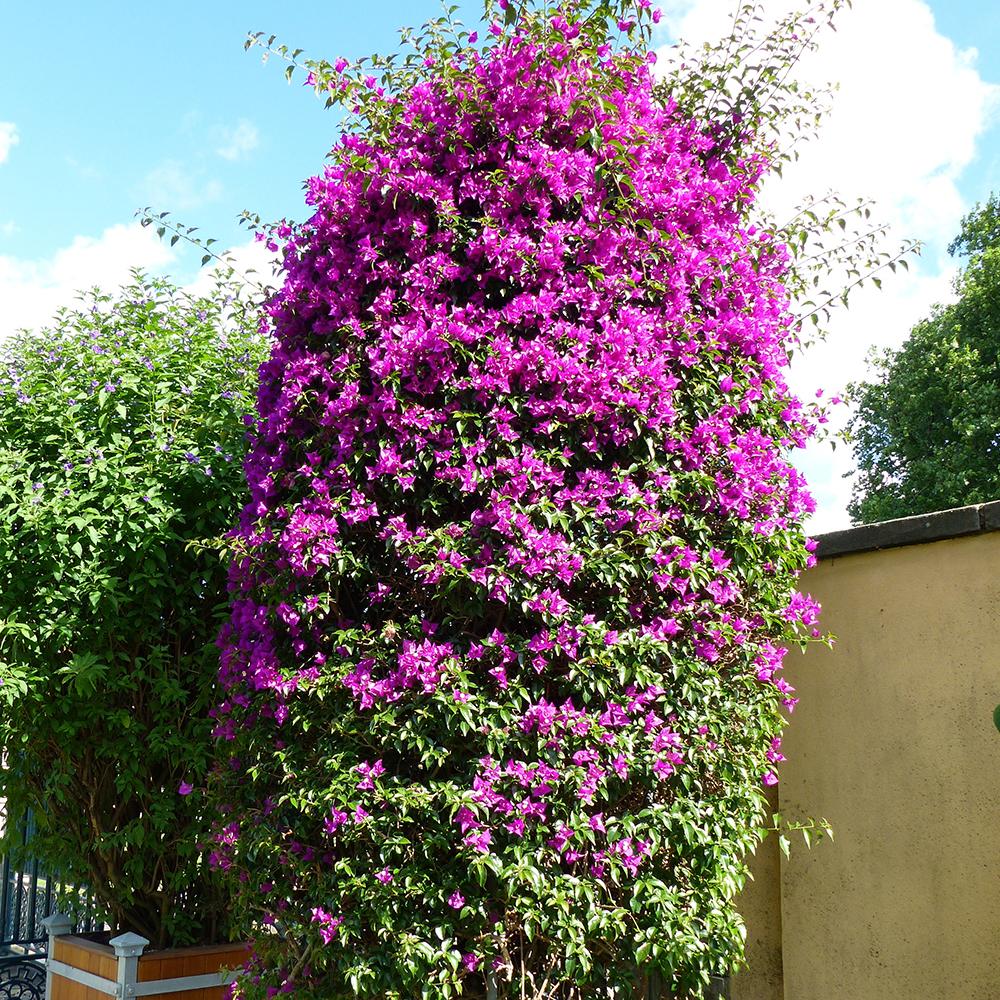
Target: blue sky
[(975, 25), (119, 104), (110, 106)]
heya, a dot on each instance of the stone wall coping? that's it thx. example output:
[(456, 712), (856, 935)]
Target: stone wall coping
[(933, 527)]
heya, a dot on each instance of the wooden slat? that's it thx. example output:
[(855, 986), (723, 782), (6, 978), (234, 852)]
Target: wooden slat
[(200, 964), (151, 969), (90, 956), (174, 960), (174, 963), (66, 989), (100, 960), (87, 955), (211, 993)]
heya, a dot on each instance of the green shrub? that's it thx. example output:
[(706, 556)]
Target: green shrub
[(121, 446)]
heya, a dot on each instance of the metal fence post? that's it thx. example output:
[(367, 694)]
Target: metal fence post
[(55, 926), (128, 947)]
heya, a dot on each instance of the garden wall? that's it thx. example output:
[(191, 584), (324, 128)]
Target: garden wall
[(893, 742)]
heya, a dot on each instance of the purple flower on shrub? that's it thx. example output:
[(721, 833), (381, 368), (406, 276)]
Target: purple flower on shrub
[(328, 923), (335, 820), (522, 526)]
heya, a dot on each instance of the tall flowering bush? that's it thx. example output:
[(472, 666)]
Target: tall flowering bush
[(512, 592), (121, 446)]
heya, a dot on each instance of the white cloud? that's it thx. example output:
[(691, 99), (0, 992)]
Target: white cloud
[(87, 171), (33, 290), (904, 125), (236, 142), (253, 263), (173, 188), (904, 122), (875, 320), (8, 139)]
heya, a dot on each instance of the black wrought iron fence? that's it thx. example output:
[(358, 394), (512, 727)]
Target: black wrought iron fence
[(28, 894)]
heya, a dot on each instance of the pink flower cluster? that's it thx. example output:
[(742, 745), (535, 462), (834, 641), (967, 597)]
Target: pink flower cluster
[(328, 923), (520, 550)]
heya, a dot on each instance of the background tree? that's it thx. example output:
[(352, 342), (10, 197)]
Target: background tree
[(926, 432), (121, 445)]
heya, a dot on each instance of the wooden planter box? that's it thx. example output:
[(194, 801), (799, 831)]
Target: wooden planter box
[(82, 969)]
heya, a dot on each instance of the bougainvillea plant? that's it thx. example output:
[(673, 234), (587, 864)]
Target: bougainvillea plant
[(121, 445), (512, 592)]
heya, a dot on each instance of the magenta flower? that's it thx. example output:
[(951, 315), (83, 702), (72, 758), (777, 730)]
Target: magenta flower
[(517, 565), (335, 820), (328, 923)]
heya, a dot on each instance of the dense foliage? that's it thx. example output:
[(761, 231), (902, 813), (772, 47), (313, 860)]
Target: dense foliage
[(926, 429), (514, 585), (121, 446)]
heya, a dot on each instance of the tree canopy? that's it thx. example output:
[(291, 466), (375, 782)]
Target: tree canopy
[(927, 428)]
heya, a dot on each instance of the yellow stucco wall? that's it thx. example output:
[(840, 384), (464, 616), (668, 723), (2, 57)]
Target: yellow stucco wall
[(893, 742)]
